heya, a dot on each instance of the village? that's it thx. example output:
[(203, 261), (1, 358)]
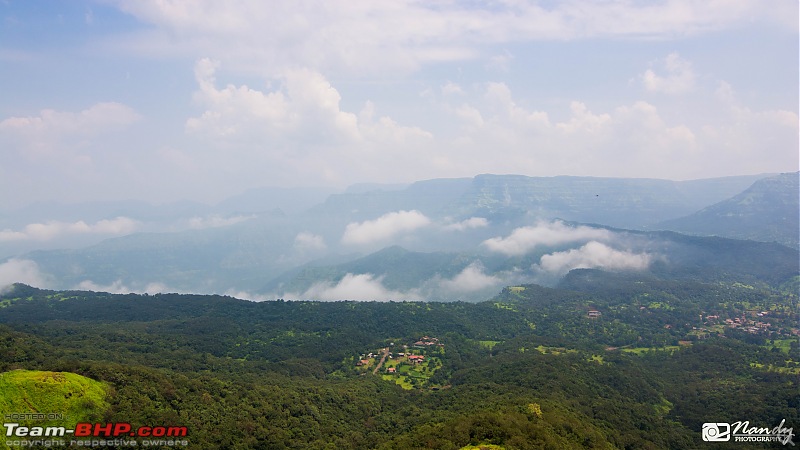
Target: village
[(410, 365), (765, 323)]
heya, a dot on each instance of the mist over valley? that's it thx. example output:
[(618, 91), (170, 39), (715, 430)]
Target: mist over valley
[(442, 239)]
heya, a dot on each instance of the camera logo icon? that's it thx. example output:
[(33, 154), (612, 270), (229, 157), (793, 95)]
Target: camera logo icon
[(716, 432)]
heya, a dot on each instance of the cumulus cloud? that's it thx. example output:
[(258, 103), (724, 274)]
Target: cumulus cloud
[(306, 106), (471, 279), (384, 227), (21, 271), (584, 120), (626, 141), (360, 287), (593, 255), (472, 222), (296, 128), (53, 229), (525, 239), (758, 139), (679, 78)]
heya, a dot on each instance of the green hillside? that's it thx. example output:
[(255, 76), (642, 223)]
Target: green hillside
[(56, 398), (768, 211), (680, 257), (605, 361)]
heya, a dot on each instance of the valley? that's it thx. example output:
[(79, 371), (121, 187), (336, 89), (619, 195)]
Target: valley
[(473, 318)]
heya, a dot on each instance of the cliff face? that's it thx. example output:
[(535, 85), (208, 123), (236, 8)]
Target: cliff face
[(618, 202)]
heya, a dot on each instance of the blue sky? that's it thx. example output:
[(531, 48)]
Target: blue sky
[(166, 100)]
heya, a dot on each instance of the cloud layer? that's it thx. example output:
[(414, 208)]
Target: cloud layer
[(56, 229), (526, 239), (22, 271), (359, 287), (384, 227), (361, 37), (593, 255), (472, 278)]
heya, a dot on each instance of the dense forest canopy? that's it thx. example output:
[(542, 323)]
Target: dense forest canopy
[(602, 361)]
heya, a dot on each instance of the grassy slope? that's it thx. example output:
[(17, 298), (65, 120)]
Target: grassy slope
[(78, 398)]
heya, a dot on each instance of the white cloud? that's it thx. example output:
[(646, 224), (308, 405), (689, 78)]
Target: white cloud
[(583, 120), (451, 88), (98, 118), (627, 141), (525, 239), (285, 104), (305, 241), (680, 76), (754, 140), (471, 279), (297, 129), (470, 115), (500, 99), (199, 223), (466, 224), (22, 271), (363, 37), (62, 136), (360, 287), (593, 255), (386, 130), (117, 287), (114, 288), (305, 106), (54, 229), (384, 227), (245, 295), (500, 62)]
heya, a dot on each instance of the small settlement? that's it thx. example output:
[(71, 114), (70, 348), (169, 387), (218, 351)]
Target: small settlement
[(410, 365)]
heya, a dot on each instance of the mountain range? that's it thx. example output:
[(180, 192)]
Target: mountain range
[(442, 239)]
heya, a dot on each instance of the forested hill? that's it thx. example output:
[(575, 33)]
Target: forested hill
[(767, 211), (604, 361)]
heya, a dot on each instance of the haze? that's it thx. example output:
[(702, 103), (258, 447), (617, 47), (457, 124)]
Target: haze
[(200, 100)]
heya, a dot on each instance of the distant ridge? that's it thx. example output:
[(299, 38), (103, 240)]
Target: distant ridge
[(768, 211), (295, 249)]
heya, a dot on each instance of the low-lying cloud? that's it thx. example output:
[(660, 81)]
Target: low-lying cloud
[(199, 223), (21, 271), (593, 255), (305, 242), (472, 222), (359, 287), (53, 229), (117, 287), (471, 279), (384, 227), (525, 239)]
